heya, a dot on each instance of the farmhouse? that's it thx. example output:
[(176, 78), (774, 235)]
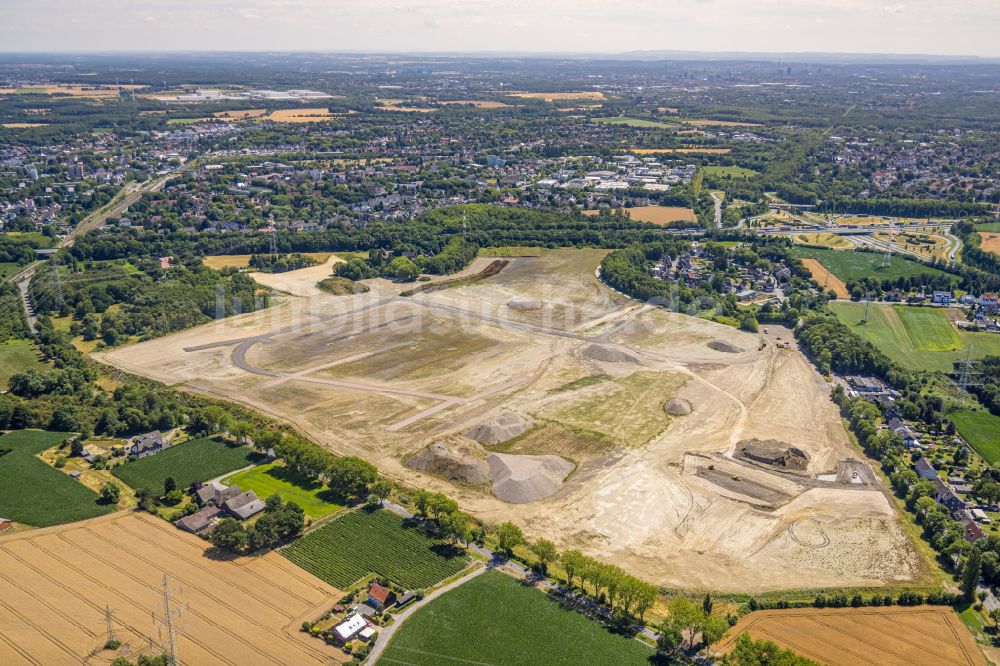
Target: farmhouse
[(148, 444), (379, 597), (201, 522), (243, 506), (349, 628), (215, 493)]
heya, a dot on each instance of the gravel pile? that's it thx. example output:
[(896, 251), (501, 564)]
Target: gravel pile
[(609, 354), (723, 346), (524, 479), (460, 464), (500, 429)]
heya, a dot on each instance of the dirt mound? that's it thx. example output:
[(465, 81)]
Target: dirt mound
[(458, 464), (610, 355), (524, 303), (504, 427), (524, 479), (723, 346), (772, 452), (678, 407)]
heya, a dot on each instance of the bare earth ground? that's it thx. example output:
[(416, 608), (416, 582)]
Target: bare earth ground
[(382, 376), (893, 636), (991, 241), (826, 278), (58, 581)]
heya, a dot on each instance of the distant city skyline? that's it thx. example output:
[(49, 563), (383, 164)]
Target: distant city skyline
[(927, 27)]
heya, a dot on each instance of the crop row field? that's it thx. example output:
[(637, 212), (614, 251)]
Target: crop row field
[(494, 619), (34, 493), (366, 542), (197, 460), (917, 338)]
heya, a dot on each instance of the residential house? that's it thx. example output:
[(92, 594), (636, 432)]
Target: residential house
[(148, 444), (948, 497), (379, 596), (925, 470), (201, 522), (243, 506), (990, 304), (349, 628), (973, 532), (941, 297), (5, 524), (215, 493)]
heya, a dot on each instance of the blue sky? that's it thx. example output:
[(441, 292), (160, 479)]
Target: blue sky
[(969, 27)]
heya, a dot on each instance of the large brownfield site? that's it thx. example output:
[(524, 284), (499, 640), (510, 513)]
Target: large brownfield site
[(57, 583), (890, 636), (649, 438)]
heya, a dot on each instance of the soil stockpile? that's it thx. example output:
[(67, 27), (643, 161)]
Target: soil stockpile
[(775, 453), (524, 303), (610, 355), (500, 429), (524, 479), (723, 346), (677, 407), (457, 464)]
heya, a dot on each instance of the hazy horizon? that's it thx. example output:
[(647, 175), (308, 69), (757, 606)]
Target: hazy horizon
[(579, 27)]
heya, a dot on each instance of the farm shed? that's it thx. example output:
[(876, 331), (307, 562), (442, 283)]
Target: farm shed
[(349, 628)]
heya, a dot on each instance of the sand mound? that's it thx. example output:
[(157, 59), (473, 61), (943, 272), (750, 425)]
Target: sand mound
[(773, 452), (504, 427), (524, 303), (459, 464), (678, 407), (524, 479), (723, 346), (609, 354)]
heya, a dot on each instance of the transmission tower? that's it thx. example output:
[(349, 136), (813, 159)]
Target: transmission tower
[(887, 258), (868, 306), (967, 373), (274, 248), (465, 225), (109, 618), (168, 622)]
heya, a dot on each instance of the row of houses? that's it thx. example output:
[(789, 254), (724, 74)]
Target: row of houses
[(948, 494)]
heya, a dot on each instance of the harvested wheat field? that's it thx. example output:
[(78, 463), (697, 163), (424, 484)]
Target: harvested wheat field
[(22, 125), (58, 581), (991, 241), (826, 279), (561, 96), (596, 461), (220, 261), (477, 103), (833, 241), (890, 636), (301, 116), (107, 90), (245, 113), (657, 214)]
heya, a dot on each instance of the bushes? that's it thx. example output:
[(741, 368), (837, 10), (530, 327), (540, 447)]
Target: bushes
[(281, 521)]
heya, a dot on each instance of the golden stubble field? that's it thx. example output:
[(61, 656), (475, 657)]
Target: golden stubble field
[(382, 376), (58, 581), (887, 636)]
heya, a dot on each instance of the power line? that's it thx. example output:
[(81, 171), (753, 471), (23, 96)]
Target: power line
[(968, 376)]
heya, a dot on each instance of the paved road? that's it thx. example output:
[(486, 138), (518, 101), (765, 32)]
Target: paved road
[(718, 209)]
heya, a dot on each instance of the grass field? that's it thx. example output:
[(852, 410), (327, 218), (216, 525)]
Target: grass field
[(981, 430), (32, 492), (988, 226), (364, 542), (197, 460), (495, 620), (729, 171), (915, 338), (272, 479), (17, 356), (847, 265), (832, 241), (636, 122), (511, 251), (220, 261)]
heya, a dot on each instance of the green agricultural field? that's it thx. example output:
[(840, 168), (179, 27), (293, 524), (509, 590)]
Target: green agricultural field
[(915, 338), (850, 264), (365, 542), (34, 493), (273, 479), (635, 122), (980, 429), (197, 460), (729, 171), (17, 356), (989, 226), (493, 619)]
